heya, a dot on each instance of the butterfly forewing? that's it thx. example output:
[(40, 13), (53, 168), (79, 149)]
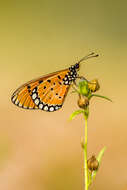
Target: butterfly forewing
[(46, 93), (22, 96)]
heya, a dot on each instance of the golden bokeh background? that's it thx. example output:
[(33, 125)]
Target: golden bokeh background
[(42, 151)]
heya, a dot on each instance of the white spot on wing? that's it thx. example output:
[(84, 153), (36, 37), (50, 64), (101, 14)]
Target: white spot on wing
[(40, 106), (46, 108), (66, 82), (16, 102), (20, 105), (34, 96), (51, 109), (56, 108), (36, 101), (14, 98)]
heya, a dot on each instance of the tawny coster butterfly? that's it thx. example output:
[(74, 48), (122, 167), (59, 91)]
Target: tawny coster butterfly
[(48, 92)]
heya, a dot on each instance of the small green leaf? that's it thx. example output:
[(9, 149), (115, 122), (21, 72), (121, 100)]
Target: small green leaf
[(75, 113), (101, 153), (97, 95)]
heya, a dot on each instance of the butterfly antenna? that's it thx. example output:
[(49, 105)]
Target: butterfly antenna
[(91, 55)]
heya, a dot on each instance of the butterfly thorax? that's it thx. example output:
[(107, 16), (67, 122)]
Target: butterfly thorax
[(71, 75)]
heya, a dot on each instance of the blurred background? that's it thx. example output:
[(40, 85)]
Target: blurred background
[(40, 150)]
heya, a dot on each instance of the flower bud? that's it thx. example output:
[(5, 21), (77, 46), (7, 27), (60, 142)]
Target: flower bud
[(83, 101), (93, 163), (84, 89), (94, 85)]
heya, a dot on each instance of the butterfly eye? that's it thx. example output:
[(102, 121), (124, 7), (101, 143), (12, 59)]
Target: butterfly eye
[(77, 66)]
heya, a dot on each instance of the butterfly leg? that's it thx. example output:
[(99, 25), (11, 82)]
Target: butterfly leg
[(83, 78), (75, 88)]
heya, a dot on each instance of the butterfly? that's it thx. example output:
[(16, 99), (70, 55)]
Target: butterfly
[(47, 92)]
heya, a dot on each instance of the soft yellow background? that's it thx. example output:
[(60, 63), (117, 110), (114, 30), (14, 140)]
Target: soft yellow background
[(42, 151)]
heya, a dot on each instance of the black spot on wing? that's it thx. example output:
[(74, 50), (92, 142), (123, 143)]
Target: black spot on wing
[(40, 81), (59, 77)]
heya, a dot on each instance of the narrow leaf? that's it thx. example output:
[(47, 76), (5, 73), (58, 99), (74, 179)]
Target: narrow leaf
[(99, 157), (72, 116), (104, 97)]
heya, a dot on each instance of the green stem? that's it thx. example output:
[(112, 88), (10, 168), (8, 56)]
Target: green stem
[(85, 155)]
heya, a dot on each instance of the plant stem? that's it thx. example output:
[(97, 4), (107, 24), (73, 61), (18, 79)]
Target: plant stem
[(85, 155)]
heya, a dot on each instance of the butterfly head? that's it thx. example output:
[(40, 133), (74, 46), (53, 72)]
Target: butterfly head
[(76, 66)]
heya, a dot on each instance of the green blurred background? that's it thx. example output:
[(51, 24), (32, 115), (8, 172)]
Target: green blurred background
[(42, 151)]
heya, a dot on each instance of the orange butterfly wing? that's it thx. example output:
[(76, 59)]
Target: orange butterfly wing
[(46, 93), (50, 94)]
